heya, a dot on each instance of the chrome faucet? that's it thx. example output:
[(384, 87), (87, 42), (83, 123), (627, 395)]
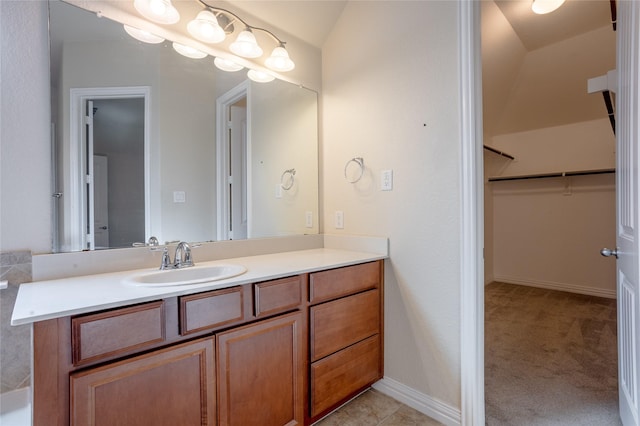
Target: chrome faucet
[(182, 258)]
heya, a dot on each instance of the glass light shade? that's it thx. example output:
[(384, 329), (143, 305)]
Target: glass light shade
[(279, 60), (188, 51), (206, 28), (142, 35), (246, 45), (160, 11), (545, 6), (260, 76), (227, 65)]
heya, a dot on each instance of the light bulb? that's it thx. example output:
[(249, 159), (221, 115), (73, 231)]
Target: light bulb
[(246, 45), (206, 28), (142, 35), (188, 51), (227, 65), (279, 60), (160, 11), (545, 6), (260, 76)]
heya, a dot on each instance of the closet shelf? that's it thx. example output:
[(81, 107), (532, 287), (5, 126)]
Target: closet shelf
[(497, 151), (553, 175)]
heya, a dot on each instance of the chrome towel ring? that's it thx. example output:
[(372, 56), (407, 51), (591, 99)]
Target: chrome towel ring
[(287, 179), (359, 162)]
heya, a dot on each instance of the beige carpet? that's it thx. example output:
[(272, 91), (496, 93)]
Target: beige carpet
[(550, 358)]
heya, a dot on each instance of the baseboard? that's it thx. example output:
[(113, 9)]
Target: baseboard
[(550, 285), (427, 405), (15, 400)]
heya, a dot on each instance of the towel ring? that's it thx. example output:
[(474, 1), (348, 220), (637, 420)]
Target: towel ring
[(287, 178), (360, 162)]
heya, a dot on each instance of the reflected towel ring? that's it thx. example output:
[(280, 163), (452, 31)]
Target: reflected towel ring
[(360, 162), (287, 178)]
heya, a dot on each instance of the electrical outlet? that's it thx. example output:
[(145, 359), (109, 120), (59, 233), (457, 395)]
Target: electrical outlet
[(386, 180), (339, 223), (308, 219)]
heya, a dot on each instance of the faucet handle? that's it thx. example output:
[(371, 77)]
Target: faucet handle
[(166, 260)]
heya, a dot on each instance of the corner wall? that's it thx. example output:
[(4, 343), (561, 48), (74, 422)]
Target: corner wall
[(391, 97)]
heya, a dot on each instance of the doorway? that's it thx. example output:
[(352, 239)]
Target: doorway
[(106, 185)]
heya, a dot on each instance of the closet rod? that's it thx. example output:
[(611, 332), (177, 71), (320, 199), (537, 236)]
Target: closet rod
[(504, 154), (552, 175)]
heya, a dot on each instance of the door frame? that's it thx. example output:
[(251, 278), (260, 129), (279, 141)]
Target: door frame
[(471, 217), (223, 104), (74, 206)]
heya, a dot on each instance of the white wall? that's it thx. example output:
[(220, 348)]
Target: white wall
[(25, 190), (391, 96)]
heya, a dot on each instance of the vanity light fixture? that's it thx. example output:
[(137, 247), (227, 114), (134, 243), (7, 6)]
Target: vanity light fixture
[(188, 51), (279, 60), (142, 35), (260, 76), (246, 45), (206, 28), (226, 65), (160, 11), (542, 7)]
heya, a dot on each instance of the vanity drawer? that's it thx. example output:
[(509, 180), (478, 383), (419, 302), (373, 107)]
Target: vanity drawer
[(271, 297), (339, 375), (211, 309), (327, 285), (115, 332), (343, 322)]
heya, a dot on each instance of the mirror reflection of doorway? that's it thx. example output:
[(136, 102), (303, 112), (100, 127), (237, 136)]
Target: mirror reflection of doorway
[(104, 176)]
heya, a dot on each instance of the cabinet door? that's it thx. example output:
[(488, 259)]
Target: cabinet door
[(260, 369), (168, 387)]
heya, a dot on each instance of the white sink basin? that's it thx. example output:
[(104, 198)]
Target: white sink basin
[(185, 276)]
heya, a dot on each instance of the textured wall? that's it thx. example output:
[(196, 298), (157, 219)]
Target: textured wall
[(15, 342)]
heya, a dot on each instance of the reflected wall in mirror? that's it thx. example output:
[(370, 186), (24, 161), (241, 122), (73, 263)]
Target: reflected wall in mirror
[(157, 171)]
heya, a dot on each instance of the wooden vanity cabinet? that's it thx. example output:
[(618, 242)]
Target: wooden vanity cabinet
[(345, 334), (273, 353)]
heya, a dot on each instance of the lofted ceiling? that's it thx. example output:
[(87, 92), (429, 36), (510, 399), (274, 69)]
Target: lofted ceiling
[(535, 67)]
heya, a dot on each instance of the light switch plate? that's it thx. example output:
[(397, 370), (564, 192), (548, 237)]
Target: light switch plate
[(386, 180), (308, 219), (179, 197), (339, 216)]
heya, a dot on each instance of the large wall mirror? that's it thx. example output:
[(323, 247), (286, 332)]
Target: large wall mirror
[(147, 143)]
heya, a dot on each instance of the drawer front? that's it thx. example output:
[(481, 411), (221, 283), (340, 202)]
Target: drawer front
[(343, 322), (209, 310), (277, 296), (338, 376), (119, 331), (327, 285)]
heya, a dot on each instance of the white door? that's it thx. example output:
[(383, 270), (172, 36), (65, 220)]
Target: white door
[(628, 211), (238, 151), (101, 201)]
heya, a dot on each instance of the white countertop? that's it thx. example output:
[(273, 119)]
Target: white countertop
[(45, 300)]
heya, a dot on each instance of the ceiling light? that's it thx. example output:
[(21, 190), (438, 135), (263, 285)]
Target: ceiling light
[(260, 76), (206, 28), (188, 51), (279, 60), (227, 65), (545, 6), (160, 11), (246, 45), (142, 35)]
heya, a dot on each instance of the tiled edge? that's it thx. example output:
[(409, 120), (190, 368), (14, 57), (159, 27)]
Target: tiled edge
[(15, 351), (430, 406), (369, 244)]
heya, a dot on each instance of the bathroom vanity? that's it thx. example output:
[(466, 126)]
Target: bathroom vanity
[(262, 348)]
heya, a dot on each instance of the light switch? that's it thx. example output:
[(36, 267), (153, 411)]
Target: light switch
[(308, 219), (179, 197), (386, 180), (339, 216)]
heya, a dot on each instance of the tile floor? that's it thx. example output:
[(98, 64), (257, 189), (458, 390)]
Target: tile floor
[(373, 408)]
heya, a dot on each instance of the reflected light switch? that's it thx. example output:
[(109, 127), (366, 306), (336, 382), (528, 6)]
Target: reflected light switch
[(179, 197)]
